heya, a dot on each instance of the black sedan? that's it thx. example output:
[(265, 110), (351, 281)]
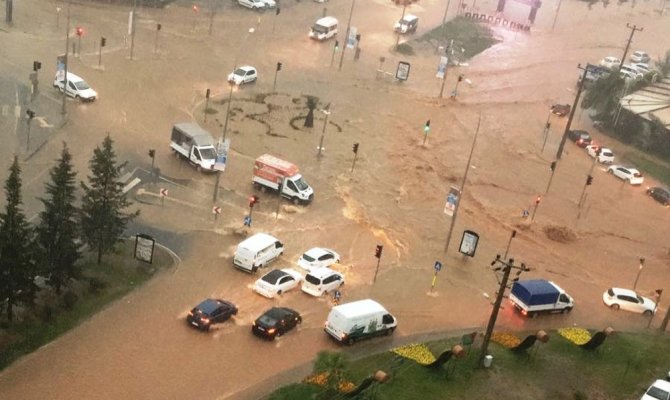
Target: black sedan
[(660, 194), (275, 322), (581, 138), (209, 312), (561, 109)]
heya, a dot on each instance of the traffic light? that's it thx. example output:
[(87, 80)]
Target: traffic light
[(538, 199), (337, 45), (158, 27), (103, 41), (152, 153), (277, 11), (426, 127), (553, 166), (659, 292), (589, 180), (30, 114), (460, 78), (253, 200), (80, 31), (36, 65), (358, 38), (207, 94), (279, 66), (355, 148), (195, 8), (378, 251)]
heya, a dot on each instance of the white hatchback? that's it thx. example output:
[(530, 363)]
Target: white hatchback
[(658, 390), (318, 257), (253, 4), (626, 299), (632, 175), (606, 156), (322, 281), (244, 74), (610, 62), (76, 87)]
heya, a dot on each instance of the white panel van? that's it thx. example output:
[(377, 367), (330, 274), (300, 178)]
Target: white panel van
[(257, 251), (350, 322), (324, 28)]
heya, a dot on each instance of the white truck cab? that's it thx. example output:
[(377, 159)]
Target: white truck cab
[(277, 174), (195, 144)]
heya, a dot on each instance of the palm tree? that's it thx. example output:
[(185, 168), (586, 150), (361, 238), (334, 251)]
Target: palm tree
[(336, 366)]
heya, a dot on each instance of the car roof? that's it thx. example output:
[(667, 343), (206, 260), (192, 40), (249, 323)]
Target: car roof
[(410, 17), (317, 251), (247, 67), (327, 21), (625, 292), (321, 273), (73, 78), (209, 305), (279, 312), (274, 275)]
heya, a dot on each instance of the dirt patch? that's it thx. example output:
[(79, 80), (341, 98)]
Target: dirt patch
[(560, 234)]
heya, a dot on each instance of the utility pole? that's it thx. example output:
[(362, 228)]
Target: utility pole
[(465, 177), (346, 38), (67, 45), (506, 268), (559, 152), (404, 7), (556, 15), (323, 132), (132, 29), (509, 243), (446, 10), (633, 29)]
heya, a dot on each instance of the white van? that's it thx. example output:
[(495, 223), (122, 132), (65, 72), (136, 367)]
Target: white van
[(76, 87), (322, 280), (359, 320), (324, 28), (257, 252)]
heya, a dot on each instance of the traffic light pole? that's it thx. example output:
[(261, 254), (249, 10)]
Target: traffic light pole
[(323, 132), (132, 29), (353, 164), (589, 179), (346, 38), (379, 259), (280, 182), (397, 36), (553, 166), (67, 45), (559, 152)]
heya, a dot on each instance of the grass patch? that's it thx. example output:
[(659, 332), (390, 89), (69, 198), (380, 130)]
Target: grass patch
[(472, 36), (658, 169), (210, 110), (620, 369), (406, 49), (118, 274)]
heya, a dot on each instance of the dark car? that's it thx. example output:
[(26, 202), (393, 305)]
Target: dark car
[(660, 194), (561, 109), (209, 312), (581, 138), (275, 322)]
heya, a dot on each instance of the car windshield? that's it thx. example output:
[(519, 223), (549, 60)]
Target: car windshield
[(312, 279), (240, 72), (207, 306), (319, 29), (267, 320), (81, 85), (637, 174), (307, 258), (301, 184), (607, 154), (208, 154), (273, 276), (658, 393)]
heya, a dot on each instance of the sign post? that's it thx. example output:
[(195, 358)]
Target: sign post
[(438, 268), (164, 193), (144, 247), (216, 211)]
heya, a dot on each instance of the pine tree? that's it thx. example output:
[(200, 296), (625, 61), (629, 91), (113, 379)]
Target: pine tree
[(17, 271), (102, 217), (57, 232)]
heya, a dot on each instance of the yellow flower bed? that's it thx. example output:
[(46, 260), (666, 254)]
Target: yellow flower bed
[(417, 352), (577, 336), (322, 378), (505, 339)]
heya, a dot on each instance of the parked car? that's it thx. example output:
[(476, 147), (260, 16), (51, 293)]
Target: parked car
[(610, 62), (632, 175), (209, 312), (242, 75), (270, 3), (640, 57), (642, 68), (407, 24), (275, 322), (630, 70), (561, 109), (581, 138), (660, 194), (318, 257), (253, 4), (626, 299), (76, 87), (322, 281), (659, 390), (593, 73), (605, 157), (277, 282)]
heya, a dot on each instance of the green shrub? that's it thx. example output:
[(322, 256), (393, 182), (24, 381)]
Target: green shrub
[(69, 299), (404, 48), (47, 313), (96, 285)]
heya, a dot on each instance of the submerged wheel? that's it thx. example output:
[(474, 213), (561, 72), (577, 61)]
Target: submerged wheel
[(615, 306)]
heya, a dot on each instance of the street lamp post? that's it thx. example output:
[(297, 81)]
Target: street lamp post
[(326, 111), (639, 271), (346, 38), (67, 45), (30, 114)]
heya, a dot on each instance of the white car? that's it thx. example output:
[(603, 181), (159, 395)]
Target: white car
[(277, 281), (631, 70), (640, 57), (632, 175), (642, 68), (626, 299), (242, 75), (253, 4), (322, 281), (610, 62), (318, 257), (605, 157), (76, 87), (270, 3), (659, 390)]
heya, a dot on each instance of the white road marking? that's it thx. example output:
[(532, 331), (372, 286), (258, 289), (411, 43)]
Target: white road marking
[(17, 111), (43, 122)]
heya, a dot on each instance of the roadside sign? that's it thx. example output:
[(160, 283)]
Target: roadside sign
[(452, 201), (247, 220), (469, 243), (438, 266), (402, 73), (351, 40), (222, 149), (216, 210), (442, 67), (144, 248), (163, 192)]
